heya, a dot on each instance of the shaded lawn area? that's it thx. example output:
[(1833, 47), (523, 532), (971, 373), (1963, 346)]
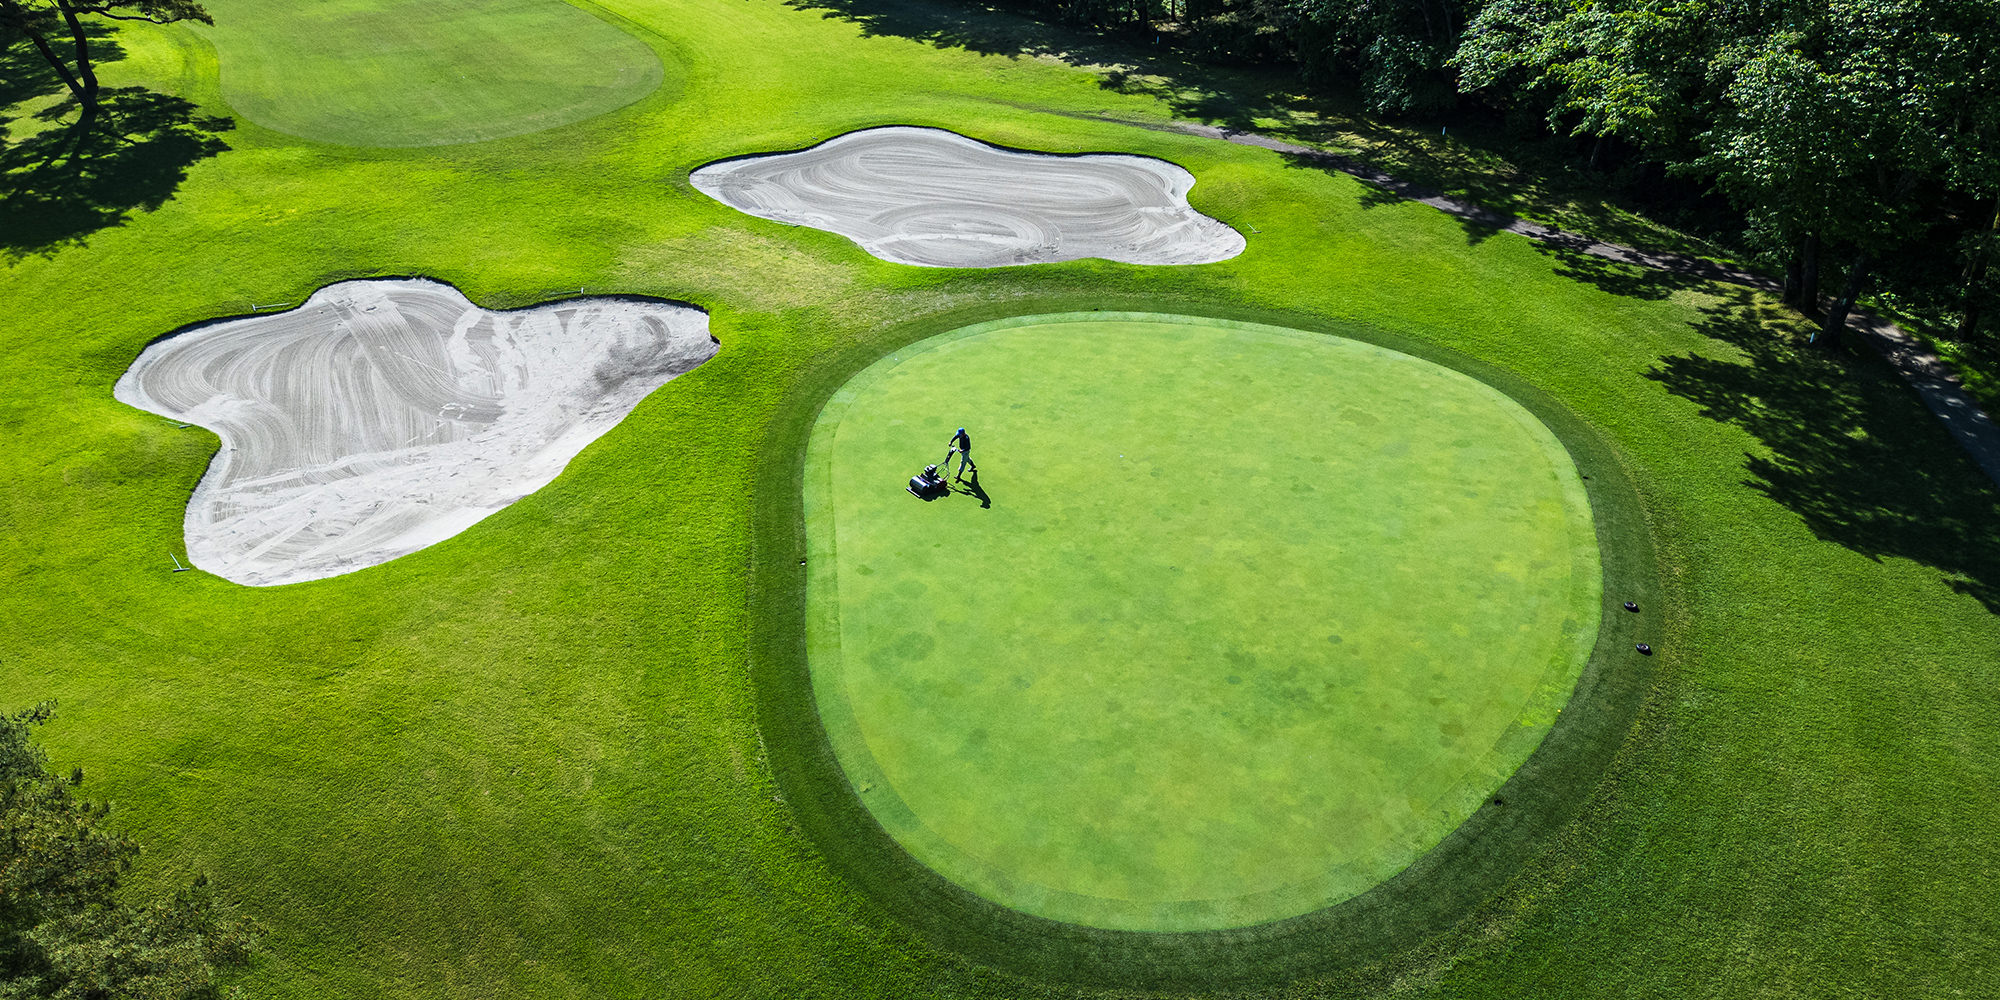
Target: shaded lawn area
[(61, 182)]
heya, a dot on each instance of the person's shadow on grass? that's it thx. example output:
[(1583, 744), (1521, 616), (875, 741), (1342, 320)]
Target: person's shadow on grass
[(972, 488)]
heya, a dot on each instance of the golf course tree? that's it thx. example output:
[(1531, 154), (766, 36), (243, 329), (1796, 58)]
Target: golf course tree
[(1974, 156), (1639, 74), (65, 931), (1656, 76), (1395, 52), (128, 147), (1850, 138), (56, 29), (1976, 289), (1833, 126), (1836, 129)]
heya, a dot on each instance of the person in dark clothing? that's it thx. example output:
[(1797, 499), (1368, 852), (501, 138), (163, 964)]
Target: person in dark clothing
[(961, 445)]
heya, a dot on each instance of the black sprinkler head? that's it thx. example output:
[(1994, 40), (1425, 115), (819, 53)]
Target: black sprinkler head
[(1631, 606), (1645, 650)]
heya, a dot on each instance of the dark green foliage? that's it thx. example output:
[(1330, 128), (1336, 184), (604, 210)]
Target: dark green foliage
[(1833, 127), (1842, 134), (1636, 72), (64, 933), (1395, 52)]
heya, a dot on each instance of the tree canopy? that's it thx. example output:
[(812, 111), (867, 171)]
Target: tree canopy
[(66, 932), (1866, 132)]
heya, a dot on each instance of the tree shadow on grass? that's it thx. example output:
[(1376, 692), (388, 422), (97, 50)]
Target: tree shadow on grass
[(60, 182), (1634, 281), (1226, 78), (1382, 187), (1228, 83), (1851, 451), (1192, 81)]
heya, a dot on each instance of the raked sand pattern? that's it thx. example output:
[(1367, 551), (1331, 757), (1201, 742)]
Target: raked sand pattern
[(936, 198), (384, 416)]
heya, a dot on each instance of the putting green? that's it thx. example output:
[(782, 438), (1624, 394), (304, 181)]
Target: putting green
[(424, 72), (1255, 617)]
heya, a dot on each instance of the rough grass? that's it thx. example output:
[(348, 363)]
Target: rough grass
[(528, 762)]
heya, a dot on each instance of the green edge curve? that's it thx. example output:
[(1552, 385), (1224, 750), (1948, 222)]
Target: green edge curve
[(1126, 726), (1438, 889)]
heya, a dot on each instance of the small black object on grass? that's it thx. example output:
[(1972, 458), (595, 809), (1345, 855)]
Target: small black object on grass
[(1631, 606), (1645, 650), (928, 485)]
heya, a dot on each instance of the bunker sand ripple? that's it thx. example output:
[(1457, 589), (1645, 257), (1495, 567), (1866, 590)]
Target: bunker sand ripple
[(934, 198), (381, 417)]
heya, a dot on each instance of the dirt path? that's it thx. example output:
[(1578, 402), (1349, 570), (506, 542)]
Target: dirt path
[(1933, 380)]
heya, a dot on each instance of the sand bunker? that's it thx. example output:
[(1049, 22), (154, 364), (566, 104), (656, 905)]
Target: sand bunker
[(930, 197), (384, 416)]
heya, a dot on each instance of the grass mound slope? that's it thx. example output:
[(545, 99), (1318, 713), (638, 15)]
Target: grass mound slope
[(424, 72), (936, 198), (1240, 621), (380, 417)]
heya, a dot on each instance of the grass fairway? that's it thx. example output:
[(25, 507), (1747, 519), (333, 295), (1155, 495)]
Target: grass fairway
[(424, 72), (553, 757), (1255, 616)]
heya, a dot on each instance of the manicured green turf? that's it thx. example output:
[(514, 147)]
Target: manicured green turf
[(564, 755), (424, 72), (1254, 617)]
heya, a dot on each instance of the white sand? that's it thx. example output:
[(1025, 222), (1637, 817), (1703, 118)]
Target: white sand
[(935, 198), (384, 416)]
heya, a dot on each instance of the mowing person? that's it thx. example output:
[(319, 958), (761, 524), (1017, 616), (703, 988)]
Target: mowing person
[(961, 445)]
